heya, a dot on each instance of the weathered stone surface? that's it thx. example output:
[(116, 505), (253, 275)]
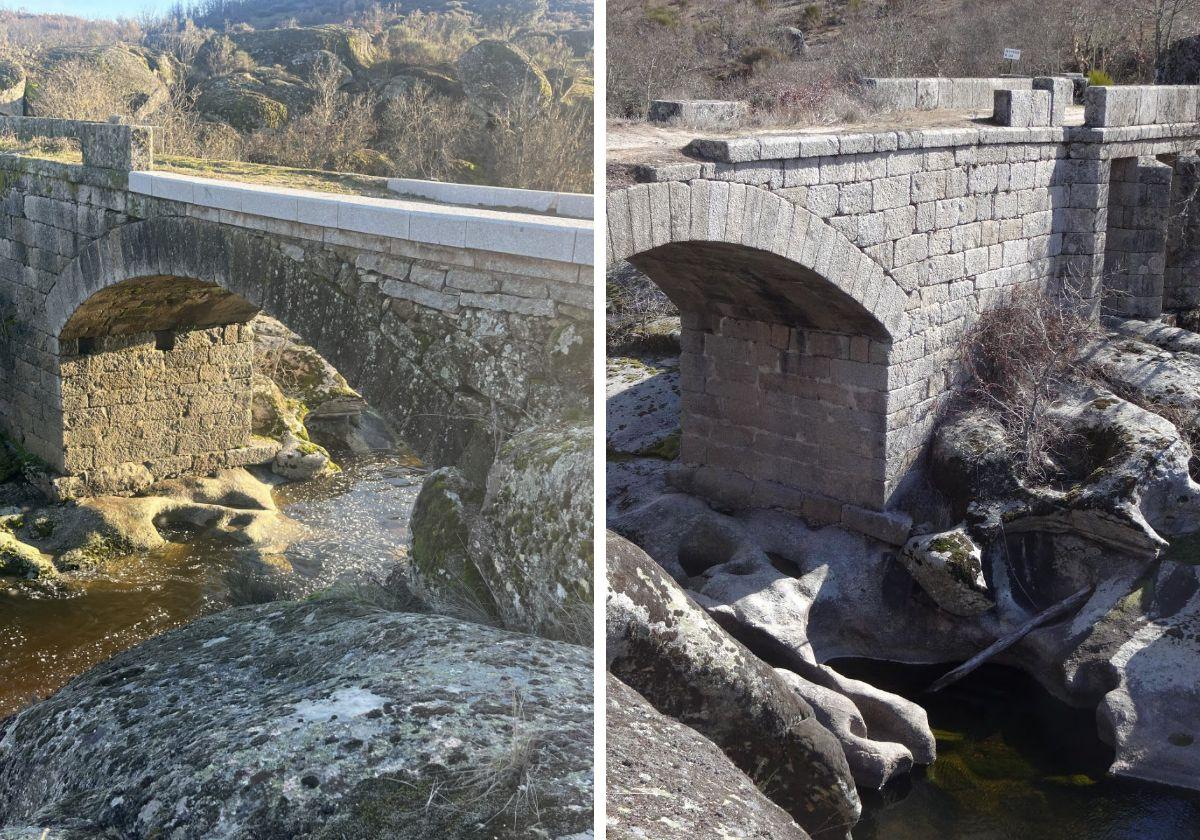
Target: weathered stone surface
[(314, 735), (873, 763), (533, 538), (231, 505), (668, 782), (949, 569), (496, 75), (312, 64), (663, 645), (642, 408), (299, 459), (240, 106), (701, 113), (443, 569), (12, 88), (279, 46), (20, 560)]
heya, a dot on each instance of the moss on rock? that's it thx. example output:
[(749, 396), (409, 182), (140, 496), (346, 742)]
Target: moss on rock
[(244, 109), (442, 568)]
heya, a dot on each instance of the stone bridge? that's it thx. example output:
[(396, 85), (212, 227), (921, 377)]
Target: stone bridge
[(125, 295), (824, 278)]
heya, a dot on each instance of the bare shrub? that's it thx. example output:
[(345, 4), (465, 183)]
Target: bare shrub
[(633, 306), (426, 135), (538, 146), (336, 126), (74, 90), (1017, 356)]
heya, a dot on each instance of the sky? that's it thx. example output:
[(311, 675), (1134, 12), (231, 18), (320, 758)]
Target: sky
[(88, 8)]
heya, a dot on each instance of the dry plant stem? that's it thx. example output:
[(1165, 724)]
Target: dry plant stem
[(1017, 357)]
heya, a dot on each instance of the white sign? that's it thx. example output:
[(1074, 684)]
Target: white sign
[(1012, 55)]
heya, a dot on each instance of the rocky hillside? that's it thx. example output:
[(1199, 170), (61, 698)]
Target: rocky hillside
[(487, 95)]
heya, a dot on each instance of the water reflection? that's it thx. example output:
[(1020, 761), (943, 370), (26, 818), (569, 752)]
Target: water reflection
[(1013, 764), (358, 521)]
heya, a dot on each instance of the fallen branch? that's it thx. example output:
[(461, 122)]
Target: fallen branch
[(1002, 644)]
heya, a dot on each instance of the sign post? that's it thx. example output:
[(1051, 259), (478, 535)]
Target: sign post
[(1012, 56)]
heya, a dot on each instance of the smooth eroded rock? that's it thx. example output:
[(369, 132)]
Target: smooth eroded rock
[(662, 644), (669, 782)]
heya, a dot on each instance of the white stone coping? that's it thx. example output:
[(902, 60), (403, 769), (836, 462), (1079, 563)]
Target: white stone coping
[(572, 205), (770, 147), (521, 234)]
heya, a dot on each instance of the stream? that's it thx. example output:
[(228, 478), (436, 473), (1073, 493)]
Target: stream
[(358, 528), (1013, 763)]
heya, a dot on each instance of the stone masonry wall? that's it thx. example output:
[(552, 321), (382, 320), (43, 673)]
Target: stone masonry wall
[(1139, 198), (774, 403), (1181, 283), (954, 223), (154, 405), (48, 212)]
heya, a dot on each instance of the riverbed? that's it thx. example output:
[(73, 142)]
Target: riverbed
[(1013, 764), (357, 530)]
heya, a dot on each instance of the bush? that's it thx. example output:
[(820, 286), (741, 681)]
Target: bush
[(812, 15), (663, 16), (1099, 77), (1018, 356)]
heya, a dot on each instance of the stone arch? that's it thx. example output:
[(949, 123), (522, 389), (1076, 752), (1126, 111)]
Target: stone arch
[(788, 330), (181, 275)]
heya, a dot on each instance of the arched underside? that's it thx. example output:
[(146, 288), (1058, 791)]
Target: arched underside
[(176, 285), (734, 281), (155, 304), (787, 336)]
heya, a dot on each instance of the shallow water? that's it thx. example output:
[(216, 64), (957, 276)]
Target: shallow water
[(358, 521), (1013, 764)]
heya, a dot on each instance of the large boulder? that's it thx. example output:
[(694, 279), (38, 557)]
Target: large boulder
[(407, 77), (312, 65), (496, 75), (231, 101), (517, 551), (533, 538), (669, 782), (12, 88), (1151, 716), (280, 46), (139, 76), (442, 568), (663, 645), (948, 566), (320, 719)]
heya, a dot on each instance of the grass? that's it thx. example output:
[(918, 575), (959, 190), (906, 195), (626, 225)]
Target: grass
[(61, 151), (280, 176), (227, 170)]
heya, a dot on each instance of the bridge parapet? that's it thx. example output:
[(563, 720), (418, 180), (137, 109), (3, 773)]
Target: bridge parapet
[(104, 145)]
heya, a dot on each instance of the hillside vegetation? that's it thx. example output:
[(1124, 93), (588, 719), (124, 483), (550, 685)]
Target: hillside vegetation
[(491, 92), (802, 59)]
